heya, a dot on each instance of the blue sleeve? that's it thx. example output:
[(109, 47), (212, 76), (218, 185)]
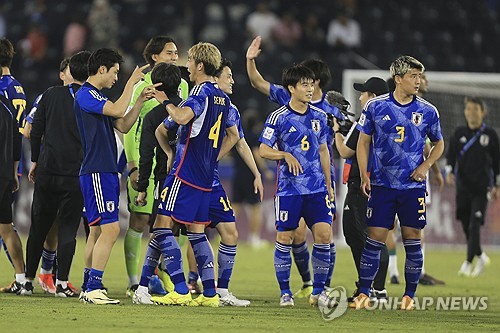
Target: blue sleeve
[(170, 124), (31, 115), (434, 131), (278, 94), (269, 134), (365, 122), (91, 101), (234, 119), (196, 103)]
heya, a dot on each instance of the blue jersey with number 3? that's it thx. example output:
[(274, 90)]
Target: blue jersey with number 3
[(398, 135)]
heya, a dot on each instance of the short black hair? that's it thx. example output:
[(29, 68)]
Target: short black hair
[(6, 52), (321, 71), (79, 65), (292, 75), (169, 75), (224, 63), (103, 57), (64, 64), (475, 100), (155, 46)]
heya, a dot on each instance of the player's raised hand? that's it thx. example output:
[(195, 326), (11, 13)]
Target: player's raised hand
[(137, 74), (293, 164), (147, 92), (254, 48)]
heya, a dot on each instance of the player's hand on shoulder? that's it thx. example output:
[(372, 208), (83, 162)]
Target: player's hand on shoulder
[(159, 95), (293, 164), (254, 48)]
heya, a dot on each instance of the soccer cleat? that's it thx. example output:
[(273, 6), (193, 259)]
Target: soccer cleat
[(155, 286), (465, 269), (481, 263), (99, 297), (173, 298), (26, 289), (286, 300), (65, 292), (407, 303), (203, 300), (231, 300), (304, 292), (167, 282), (141, 296), (131, 290), (81, 297), (12, 288), (194, 287), (360, 302), (46, 282), (73, 288), (322, 300), (394, 279), (354, 294), (378, 296)]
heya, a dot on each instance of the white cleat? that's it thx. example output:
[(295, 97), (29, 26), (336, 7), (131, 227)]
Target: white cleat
[(482, 262), (141, 297), (286, 300), (465, 269), (322, 300), (231, 300), (99, 297)]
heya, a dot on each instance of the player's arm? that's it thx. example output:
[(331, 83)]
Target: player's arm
[(324, 157), (362, 156), (17, 138), (275, 155), (180, 115), (147, 147), (341, 141), (229, 141), (119, 108), (435, 170), (161, 134), (256, 79), (435, 153), (125, 123), (37, 131), (495, 160), (247, 156)]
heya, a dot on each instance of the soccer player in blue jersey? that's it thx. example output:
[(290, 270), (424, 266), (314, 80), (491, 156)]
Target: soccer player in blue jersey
[(281, 96), (186, 193), (296, 136), (396, 126), (96, 118)]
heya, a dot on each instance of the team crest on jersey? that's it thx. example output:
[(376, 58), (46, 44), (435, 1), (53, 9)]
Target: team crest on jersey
[(369, 212), (484, 140), (417, 118), (110, 206), (315, 125), (283, 215)]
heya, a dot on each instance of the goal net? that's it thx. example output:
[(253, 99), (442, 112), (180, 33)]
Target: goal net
[(447, 92)]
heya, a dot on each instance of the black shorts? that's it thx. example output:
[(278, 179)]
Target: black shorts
[(243, 191), (5, 201)]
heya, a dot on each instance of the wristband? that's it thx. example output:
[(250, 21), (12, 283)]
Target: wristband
[(134, 169), (167, 102)]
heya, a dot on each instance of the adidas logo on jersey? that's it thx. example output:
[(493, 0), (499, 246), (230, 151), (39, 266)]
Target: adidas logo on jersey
[(386, 117), (292, 129), (209, 265), (421, 218)]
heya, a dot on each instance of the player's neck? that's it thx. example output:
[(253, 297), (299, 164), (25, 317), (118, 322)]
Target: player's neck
[(298, 106), (474, 126), (402, 97), (317, 94), (5, 70), (204, 78), (93, 80)]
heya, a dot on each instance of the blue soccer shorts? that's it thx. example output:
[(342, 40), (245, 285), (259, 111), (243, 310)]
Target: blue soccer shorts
[(183, 203), (384, 203), (220, 209), (313, 208), (101, 195)]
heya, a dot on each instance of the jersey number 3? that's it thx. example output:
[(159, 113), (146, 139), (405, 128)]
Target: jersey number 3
[(401, 133), (215, 130)]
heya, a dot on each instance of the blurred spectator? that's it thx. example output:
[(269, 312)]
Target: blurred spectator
[(104, 25), (75, 37), (34, 46), (344, 31), (261, 22), (35, 10), (287, 32), (314, 34), (3, 26), (214, 30)]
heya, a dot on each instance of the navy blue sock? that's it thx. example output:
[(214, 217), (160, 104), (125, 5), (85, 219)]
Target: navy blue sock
[(205, 261), (150, 262), (370, 262), (413, 265), (193, 276), (301, 259), (225, 259), (320, 263), (333, 256), (172, 258), (48, 258), (282, 266), (95, 280), (86, 272)]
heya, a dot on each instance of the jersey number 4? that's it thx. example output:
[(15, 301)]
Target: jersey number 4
[(215, 130)]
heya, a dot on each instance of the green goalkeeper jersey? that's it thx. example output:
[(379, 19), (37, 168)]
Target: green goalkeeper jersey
[(132, 139)]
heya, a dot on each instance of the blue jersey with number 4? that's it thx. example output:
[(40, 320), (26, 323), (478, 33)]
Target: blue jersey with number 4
[(398, 135)]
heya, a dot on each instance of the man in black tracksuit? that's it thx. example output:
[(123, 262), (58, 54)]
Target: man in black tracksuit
[(354, 214), (473, 164), (55, 171)]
